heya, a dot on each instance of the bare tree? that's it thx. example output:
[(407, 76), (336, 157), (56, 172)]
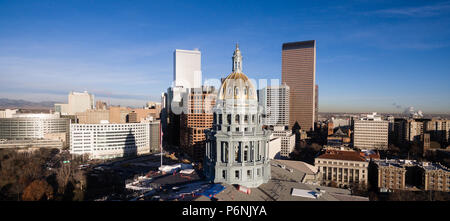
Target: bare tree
[(63, 175), (37, 190)]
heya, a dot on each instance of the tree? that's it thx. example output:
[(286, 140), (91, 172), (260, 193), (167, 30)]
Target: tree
[(63, 175), (394, 150), (37, 190)]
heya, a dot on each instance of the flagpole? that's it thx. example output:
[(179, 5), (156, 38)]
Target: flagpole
[(160, 142)]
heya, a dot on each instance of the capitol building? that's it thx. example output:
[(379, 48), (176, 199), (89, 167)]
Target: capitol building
[(237, 146)]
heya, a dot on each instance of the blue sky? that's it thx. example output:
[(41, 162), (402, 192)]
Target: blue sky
[(371, 55)]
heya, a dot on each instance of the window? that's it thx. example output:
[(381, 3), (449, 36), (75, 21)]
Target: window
[(225, 152), (246, 154), (236, 154), (237, 118), (229, 119), (246, 118), (236, 174), (224, 174), (249, 174), (236, 91)]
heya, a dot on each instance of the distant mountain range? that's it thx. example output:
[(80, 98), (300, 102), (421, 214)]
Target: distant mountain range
[(6, 103)]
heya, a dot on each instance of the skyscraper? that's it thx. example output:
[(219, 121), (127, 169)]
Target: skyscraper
[(298, 71), (187, 71), (199, 116), (316, 103), (275, 100), (80, 102)]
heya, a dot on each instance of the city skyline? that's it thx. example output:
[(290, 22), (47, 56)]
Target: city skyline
[(369, 57)]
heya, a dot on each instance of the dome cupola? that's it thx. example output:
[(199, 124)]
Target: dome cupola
[(237, 85)]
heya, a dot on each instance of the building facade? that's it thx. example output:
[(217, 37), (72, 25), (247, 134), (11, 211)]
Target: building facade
[(434, 177), (105, 141), (287, 140), (7, 113), (439, 130), (371, 132), (80, 102), (389, 175), (316, 103), (237, 146), (342, 168), (77, 102), (32, 126), (298, 71), (195, 120), (275, 100), (187, 68)]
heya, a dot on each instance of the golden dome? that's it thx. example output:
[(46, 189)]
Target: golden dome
[(237, 86)]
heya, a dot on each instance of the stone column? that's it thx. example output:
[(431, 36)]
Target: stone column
[(252, 143), (218, 153), (332, 173)]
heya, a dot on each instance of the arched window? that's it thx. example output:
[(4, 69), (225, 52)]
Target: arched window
[(245, 91), (236, 91), (237, 120), (229, 91)]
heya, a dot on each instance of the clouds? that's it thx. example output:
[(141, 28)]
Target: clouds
[(419, 12)]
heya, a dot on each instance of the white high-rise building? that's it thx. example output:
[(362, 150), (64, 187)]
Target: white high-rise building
[(371, 132), (77, 102), (275, 100), (80, 102), (187, 72)]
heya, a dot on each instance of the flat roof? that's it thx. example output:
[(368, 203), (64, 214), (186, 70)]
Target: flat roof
[(299, 44), (280, 186)]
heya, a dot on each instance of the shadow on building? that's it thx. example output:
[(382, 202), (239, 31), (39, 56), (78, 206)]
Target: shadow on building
[(130, 149)]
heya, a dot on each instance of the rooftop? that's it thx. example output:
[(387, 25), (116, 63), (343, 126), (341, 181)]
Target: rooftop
[(342, 155), (399, 163), (280, 188)]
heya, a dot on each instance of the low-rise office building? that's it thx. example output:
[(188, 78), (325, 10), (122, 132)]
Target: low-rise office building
[(103, 141), (342, 168), (287, 140)]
